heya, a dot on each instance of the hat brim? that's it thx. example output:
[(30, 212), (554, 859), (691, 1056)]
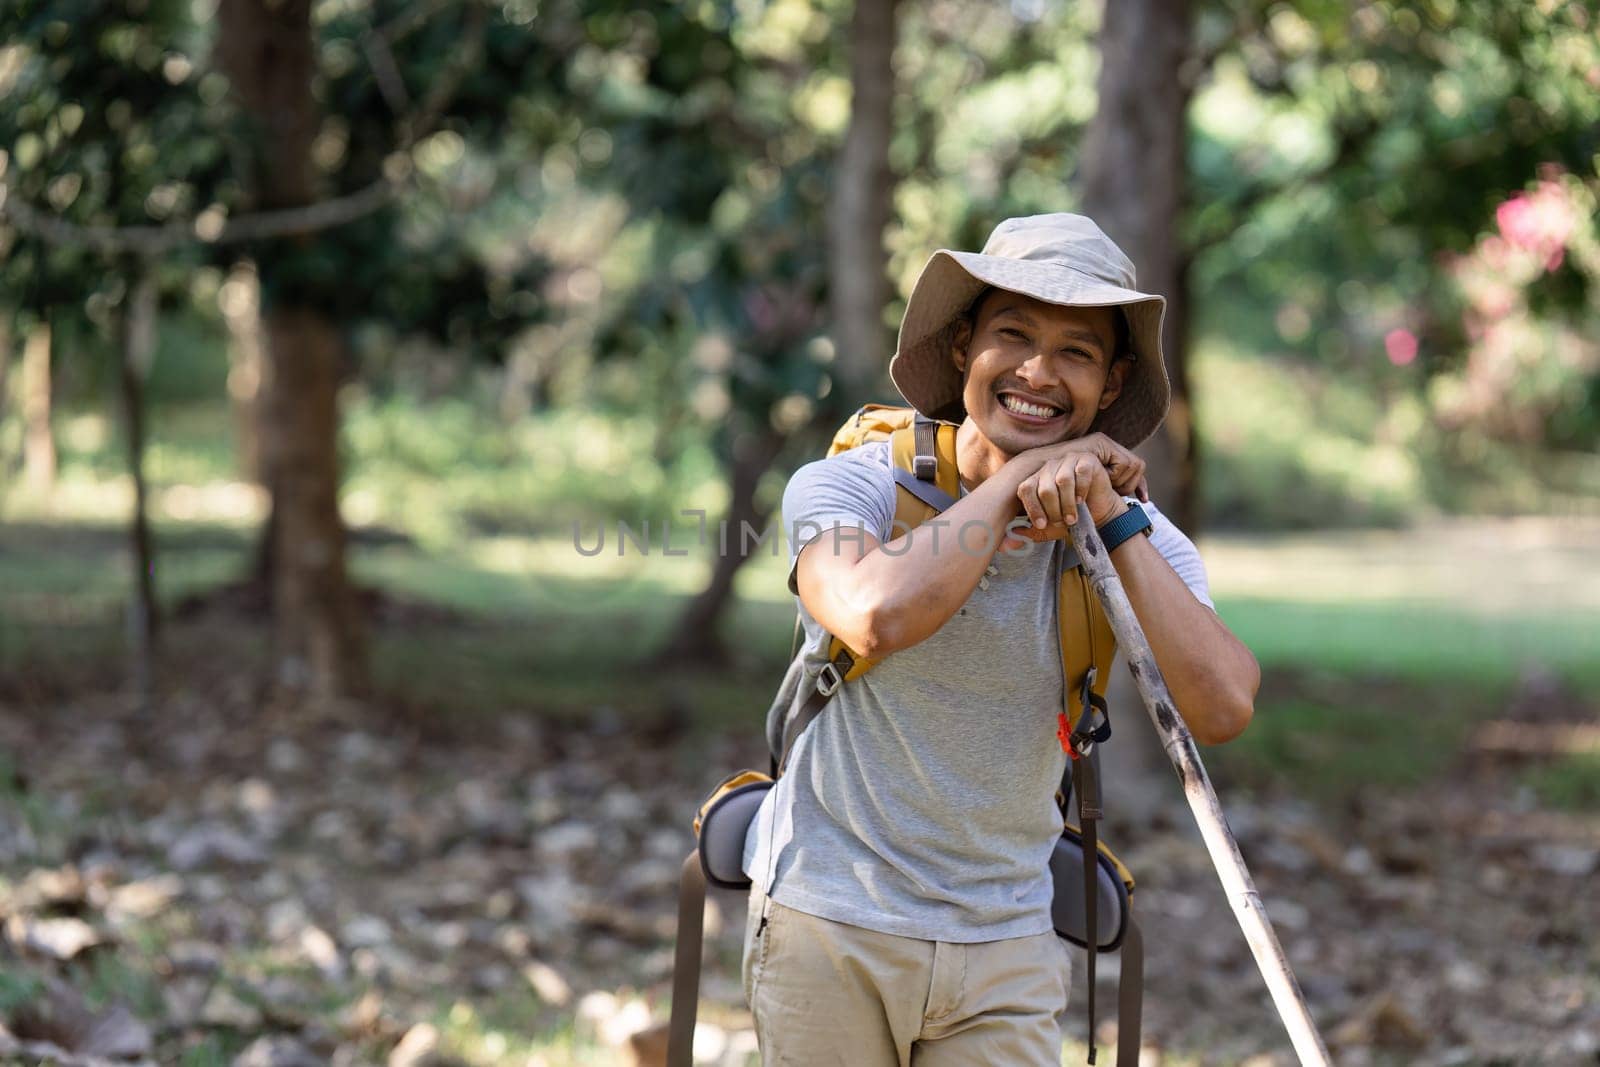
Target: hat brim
[(926, 375)]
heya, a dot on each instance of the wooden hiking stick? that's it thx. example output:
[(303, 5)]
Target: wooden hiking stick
[(1175, 738)]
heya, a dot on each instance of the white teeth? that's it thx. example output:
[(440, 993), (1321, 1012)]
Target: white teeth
[(1022, 407)]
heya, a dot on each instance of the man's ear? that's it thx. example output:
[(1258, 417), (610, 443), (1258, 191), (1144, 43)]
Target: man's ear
[(960, 339), (1114, 379)]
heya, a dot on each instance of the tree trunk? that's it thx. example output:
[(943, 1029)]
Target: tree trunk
[(694, 639), (859, 210), (38, 444), (137, 347), (858, 290), (1133, 178), (266, 48), (1133, 181), (317, 638)]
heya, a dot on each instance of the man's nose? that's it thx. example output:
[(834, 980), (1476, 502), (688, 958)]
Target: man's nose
[(1039, 370)]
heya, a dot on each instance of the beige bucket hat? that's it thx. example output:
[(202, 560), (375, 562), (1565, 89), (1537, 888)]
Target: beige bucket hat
[(1059, 258)]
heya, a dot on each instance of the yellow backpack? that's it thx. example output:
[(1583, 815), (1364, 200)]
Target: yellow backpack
[(1089, 894)]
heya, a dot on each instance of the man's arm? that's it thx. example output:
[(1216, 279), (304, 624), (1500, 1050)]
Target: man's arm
[(879, 598), (1212, 675)]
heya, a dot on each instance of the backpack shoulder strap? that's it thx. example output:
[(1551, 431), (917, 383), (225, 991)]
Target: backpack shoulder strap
[(1088, 643), (930, 447), (924, 445), (923, 458)]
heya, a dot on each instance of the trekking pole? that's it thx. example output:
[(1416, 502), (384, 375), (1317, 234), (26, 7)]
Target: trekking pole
[(1224, 850)]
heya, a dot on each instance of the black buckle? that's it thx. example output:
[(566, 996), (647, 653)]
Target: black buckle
[(1094, 720)]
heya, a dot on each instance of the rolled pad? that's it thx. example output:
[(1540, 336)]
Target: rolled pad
[(1066, 909), (722, 832)]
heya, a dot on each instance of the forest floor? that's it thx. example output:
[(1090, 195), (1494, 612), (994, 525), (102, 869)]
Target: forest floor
[(222, 880)]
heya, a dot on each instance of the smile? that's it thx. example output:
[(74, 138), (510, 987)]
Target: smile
[(1028, 409)]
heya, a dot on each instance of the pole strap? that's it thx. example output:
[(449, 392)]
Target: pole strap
[(686, 962), (1085, 783), (1130, 993)]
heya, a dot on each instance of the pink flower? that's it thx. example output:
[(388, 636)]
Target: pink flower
[(1401, 345), (1539, 222)]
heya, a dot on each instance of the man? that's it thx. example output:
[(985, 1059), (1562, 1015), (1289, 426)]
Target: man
[(900, 911)]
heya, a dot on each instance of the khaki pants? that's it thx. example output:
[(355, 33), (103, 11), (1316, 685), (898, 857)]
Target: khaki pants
[(824, 992)]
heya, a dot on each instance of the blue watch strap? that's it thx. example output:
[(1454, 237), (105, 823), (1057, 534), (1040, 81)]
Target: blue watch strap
[(1130, 522)]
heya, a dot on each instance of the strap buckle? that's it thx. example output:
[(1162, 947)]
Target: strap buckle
[(1094, 721), (829, 679), (925, 435)]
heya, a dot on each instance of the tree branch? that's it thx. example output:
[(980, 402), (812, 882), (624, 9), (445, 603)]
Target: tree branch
[(208, 228), (158, 240), (443, 90)]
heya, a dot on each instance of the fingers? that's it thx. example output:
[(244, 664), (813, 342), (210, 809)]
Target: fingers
[(1127, 469), (1057, 488), (1041, 496), (1028, 493), (1093, 470)]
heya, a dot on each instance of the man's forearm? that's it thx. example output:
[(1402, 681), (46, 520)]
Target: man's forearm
[(1212, 675), (910, 586)]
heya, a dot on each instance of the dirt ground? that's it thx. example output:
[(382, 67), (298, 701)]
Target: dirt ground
[(222, 882)]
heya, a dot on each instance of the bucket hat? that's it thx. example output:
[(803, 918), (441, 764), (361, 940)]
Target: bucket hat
[(1058, 258)]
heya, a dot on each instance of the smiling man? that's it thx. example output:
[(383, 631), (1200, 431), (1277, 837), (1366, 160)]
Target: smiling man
[(900, 908)]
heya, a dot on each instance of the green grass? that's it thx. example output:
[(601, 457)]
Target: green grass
[(1348, 739), (1421, 643), (1570, 781)]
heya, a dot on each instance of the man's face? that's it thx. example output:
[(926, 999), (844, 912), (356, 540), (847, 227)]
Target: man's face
[(1036, 373)]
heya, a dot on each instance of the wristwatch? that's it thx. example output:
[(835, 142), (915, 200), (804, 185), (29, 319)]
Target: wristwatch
[(1130, 522)]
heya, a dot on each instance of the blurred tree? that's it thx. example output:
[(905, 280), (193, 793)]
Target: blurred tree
[(97, 94), (267, 51), (1133, 177), (861, 192), (737, 228), (94, 159), (136, 330), (779, 319)]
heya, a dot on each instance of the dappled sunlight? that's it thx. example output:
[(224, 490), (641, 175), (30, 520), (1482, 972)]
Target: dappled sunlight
[(240, 503)]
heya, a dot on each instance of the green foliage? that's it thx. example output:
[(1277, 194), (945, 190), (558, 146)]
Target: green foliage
[(1289, 445), (440, 472), (107, 123), (1342, 156)]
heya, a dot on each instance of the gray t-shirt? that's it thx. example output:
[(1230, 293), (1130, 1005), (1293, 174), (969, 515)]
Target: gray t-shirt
[(921, 802)]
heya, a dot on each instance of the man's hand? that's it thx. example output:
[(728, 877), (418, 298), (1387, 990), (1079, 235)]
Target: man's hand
[(1094, 469)]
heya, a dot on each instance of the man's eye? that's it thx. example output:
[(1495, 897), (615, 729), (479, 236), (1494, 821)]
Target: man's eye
[(1081, 353), (1015, 335)]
